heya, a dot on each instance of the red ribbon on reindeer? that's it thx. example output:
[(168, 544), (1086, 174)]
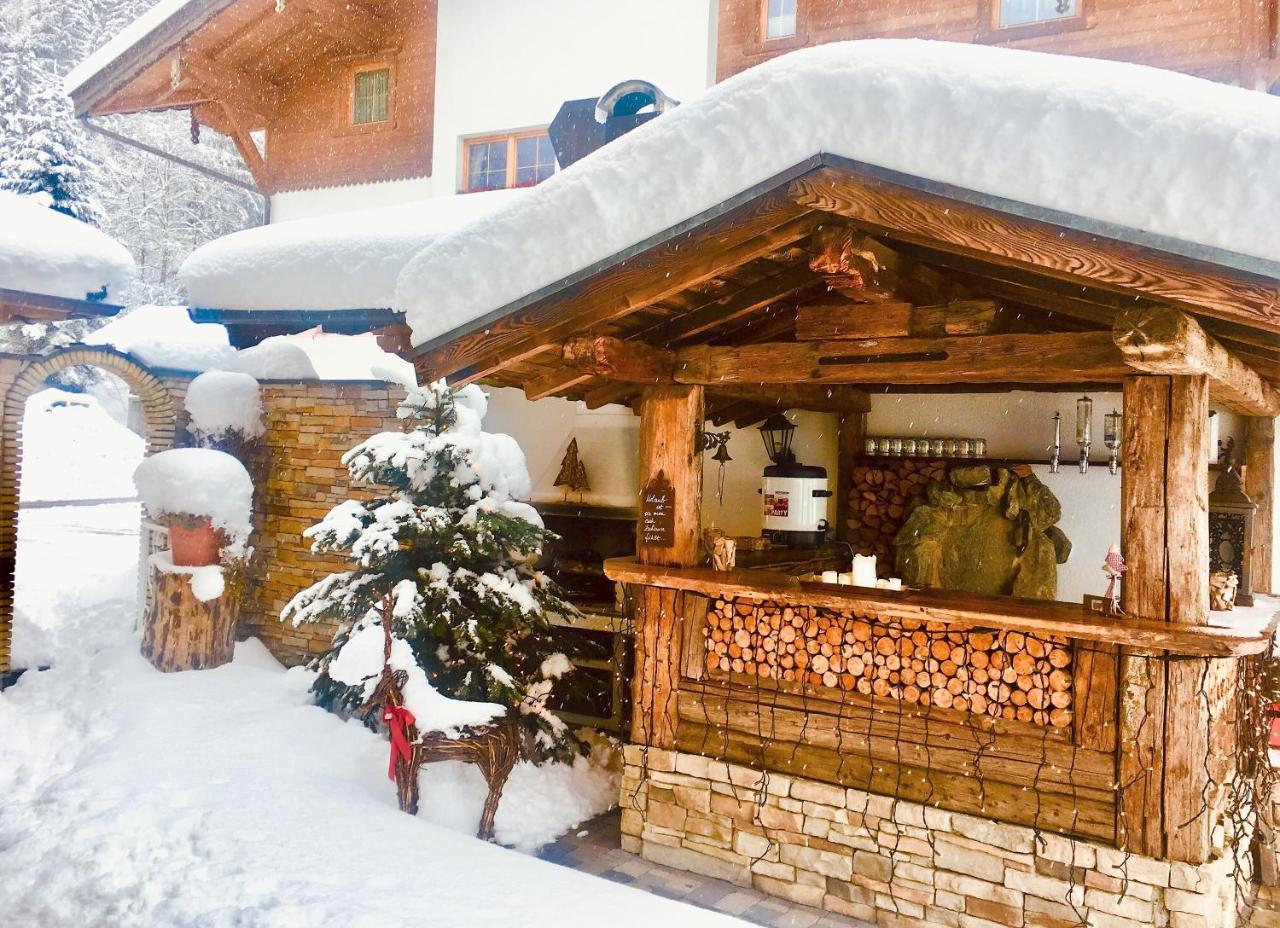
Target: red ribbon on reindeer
[(398, 720)]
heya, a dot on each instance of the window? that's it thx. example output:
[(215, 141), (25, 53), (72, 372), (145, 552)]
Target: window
[(1028, 12), (779, 19), (517, 160), (369, 94)]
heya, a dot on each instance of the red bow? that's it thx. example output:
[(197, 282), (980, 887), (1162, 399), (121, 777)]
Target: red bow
[(398, 720)]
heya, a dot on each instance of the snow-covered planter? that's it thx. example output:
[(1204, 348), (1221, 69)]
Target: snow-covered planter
[(206, 497)]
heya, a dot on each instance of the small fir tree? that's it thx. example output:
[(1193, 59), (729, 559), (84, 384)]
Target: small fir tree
[(449, 550)]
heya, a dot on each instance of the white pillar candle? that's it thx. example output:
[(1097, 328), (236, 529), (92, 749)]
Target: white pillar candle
[(831, 576), (864, 570), (846, 579), (895, 583)]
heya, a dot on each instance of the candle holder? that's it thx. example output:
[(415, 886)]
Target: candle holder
[(1112, 435), (1084, 430)]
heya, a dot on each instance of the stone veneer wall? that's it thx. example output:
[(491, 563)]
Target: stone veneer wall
[(299, 477), (896, 863)]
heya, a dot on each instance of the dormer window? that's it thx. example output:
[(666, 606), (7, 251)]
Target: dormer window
[(779, 18), (370, 92)]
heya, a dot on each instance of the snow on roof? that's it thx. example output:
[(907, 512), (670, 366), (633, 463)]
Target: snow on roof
[(343, 261), (44, 251), (165, 337), (1148, 149), (122, 42)]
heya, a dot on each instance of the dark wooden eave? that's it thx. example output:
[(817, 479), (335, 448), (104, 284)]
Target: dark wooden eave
[(23, 306), (246, 328), (735, 276)]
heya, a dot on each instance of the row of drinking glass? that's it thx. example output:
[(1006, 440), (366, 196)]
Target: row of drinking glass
[(927, 447)]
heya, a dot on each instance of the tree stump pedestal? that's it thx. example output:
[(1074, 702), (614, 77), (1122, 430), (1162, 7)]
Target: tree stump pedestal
[(184, 632)]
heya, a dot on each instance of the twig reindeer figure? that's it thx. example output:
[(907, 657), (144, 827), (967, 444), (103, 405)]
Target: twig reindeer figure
[(493, 748)]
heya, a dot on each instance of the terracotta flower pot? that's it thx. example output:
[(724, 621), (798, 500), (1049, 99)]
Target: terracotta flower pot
[(194, 542)]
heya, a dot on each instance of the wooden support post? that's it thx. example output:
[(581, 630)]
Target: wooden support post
[(1164, 730), (851, 442), (1260, 483), (182, 632), (671, 420)]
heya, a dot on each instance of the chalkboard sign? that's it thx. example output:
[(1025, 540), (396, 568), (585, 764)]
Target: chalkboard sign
[(658, 513)]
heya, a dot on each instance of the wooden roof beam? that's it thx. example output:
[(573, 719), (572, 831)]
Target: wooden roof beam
[(728, 309), (248, 148), (1059, 358), (1161, 340), (224, 83), (685, 260), (1005, 240)]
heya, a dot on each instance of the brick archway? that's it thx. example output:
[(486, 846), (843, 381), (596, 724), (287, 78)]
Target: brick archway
[(160, 416)]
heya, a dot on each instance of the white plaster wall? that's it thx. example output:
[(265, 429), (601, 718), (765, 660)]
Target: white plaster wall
[(537, 55), (303, 204)]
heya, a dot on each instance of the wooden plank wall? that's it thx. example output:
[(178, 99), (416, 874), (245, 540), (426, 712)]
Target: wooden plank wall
[(1208, 38)]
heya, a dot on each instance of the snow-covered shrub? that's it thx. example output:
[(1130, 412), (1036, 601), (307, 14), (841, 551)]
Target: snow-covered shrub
[(224, 404), (446, 551), (196, 484)]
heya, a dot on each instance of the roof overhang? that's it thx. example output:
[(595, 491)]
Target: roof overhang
[(22, 306), (248, 327)]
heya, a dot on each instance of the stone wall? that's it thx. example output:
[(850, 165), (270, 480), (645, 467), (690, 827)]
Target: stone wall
[(299, 477), (895, 863)]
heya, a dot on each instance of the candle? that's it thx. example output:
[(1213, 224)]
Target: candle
[(831, 576), (864, 570), (846, 579), (895, 583)]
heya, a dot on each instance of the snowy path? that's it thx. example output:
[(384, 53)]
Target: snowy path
[(223, 798)]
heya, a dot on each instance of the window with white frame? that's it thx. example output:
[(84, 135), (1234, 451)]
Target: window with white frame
[(1029, 12), (779, 18)]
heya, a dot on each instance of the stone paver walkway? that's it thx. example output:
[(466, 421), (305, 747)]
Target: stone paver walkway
[(595, 848)]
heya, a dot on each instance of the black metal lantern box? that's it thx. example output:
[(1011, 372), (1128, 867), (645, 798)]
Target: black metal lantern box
[(1231, 515)]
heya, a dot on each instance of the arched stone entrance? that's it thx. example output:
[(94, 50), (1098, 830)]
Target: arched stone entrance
[(25, 377)]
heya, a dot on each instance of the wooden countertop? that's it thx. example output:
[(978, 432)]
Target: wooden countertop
[(1239, 633)]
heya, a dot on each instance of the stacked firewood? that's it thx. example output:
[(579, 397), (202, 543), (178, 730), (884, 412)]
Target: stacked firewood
[(880, 494), (1003, 674)]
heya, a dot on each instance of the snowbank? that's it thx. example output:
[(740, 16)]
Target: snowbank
[(1144, 148), (199, 482), (343, 261), (165, 336), (225, 401), (43, 251)]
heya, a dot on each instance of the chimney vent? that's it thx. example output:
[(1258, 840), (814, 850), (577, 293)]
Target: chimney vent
[(582, 126)]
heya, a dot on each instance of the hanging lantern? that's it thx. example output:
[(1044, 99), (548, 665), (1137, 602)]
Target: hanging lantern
[(776, 432), (1231, 518)]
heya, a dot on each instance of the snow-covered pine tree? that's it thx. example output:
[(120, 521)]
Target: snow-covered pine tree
[(447, 543)]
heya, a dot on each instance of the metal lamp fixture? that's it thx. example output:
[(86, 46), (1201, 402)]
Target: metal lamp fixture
[(1084, 430), (1113, 436), (776, 431)]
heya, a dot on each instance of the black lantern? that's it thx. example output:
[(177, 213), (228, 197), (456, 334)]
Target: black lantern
[(1231, 516), (776, 432)]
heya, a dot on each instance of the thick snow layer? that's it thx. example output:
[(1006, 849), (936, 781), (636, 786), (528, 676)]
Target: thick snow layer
[(73, 450), (165, 336), (225, 401), (343, 261), (43, 251), (316, 355), (359, 663), (121, 42), (198, 482), (1144, 148), (207, 582), (135, 799)]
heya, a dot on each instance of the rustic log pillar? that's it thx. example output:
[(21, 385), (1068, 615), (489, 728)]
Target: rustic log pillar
[(1260, 483), (182, 632), (1165, 535), (671, 420), (850, 444)]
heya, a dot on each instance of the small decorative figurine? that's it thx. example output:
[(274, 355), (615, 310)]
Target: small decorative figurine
[(1222, 590), (1114, 567), (573, 473)]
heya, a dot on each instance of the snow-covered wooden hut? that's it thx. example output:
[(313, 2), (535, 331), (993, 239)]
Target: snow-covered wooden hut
[(836, 230)]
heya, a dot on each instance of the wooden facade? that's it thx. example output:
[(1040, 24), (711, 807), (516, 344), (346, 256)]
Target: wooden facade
[(287, 70), (1233, 41)]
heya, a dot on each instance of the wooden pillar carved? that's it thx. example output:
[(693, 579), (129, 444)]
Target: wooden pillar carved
[(1164, 729), (671, 421), (850, 444), (1260, 483)]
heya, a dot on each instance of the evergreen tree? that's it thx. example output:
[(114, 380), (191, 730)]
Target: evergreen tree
[(447, 551)]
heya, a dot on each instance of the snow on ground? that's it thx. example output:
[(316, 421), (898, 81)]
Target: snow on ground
[(1149, 149), (225, 798), (344, 261), (44, 251)]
